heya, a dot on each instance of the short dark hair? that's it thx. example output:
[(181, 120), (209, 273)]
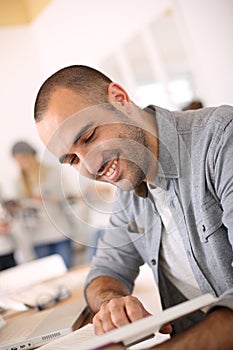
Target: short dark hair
[(87, 82), (22, 147)]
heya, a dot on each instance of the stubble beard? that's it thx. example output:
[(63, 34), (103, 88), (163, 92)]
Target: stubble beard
[(133, 151), (135, 157)]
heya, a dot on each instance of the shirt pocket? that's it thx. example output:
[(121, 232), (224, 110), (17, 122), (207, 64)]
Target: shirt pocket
[(134, 228), (211, 221), (136, 233)]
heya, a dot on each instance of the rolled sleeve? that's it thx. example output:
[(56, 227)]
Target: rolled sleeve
[(116, 254), (120, 261)]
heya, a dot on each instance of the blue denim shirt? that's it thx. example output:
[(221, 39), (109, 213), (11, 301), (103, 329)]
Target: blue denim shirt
[(195, 167)]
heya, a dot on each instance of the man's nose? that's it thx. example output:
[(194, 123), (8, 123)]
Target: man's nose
[(89, 163)]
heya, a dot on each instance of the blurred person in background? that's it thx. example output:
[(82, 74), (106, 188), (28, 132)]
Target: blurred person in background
[(7, 244), (41, 202), (194, 104)]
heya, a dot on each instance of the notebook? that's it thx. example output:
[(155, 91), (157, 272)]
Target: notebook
[(42, 327)]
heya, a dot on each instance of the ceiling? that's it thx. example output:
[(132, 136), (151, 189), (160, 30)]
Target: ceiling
[(20, 12)]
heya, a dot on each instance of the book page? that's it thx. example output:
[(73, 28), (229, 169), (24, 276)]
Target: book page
[(86, 333)]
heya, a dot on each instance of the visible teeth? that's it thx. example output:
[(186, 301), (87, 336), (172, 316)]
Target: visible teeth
[(111, 170)]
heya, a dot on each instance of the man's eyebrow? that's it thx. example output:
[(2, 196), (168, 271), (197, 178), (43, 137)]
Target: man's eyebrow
[(82, 131)]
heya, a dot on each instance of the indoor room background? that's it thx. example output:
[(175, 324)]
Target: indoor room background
[(164, 52)]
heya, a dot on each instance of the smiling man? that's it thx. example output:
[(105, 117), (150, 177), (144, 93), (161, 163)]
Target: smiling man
[(100, 141), (174, 207)]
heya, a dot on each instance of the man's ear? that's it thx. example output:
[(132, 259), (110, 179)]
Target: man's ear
[(118, 95)]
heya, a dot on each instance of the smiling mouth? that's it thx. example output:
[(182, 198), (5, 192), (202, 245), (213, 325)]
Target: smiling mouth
[(109, 170), (112, 168)]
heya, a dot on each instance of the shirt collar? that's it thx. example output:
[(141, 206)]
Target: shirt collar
[(168, 160)]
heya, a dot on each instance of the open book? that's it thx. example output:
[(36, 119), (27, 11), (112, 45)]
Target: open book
[(84, 339)]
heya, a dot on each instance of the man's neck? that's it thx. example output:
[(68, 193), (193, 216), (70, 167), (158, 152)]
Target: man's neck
[(153, 145)]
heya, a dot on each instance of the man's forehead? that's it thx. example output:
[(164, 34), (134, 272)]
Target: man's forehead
[(62, 135)]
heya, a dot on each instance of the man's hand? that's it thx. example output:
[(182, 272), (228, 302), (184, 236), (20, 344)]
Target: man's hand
[(118, 312), (114, 306)]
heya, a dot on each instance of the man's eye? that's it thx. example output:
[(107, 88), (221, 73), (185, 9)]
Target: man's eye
[(89, 136)]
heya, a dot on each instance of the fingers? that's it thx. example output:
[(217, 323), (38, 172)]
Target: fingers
[(166, 328), (101, 327), (134, 309), (111, 315), (118, 312)]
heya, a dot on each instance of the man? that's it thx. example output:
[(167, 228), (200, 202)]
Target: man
[(173, 206)]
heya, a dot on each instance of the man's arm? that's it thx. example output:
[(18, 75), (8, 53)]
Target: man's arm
[(213, 333)]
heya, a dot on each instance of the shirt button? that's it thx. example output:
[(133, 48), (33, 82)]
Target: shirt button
[(203, 228), (153, 261)]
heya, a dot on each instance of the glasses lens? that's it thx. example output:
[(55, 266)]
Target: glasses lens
[(63, 293), (45, 301)]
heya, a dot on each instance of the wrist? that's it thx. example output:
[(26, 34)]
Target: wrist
[(106, 296), (103, 289)]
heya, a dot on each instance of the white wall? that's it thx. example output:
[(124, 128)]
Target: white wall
[(87, 31), (19, 69), (208, 35)]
